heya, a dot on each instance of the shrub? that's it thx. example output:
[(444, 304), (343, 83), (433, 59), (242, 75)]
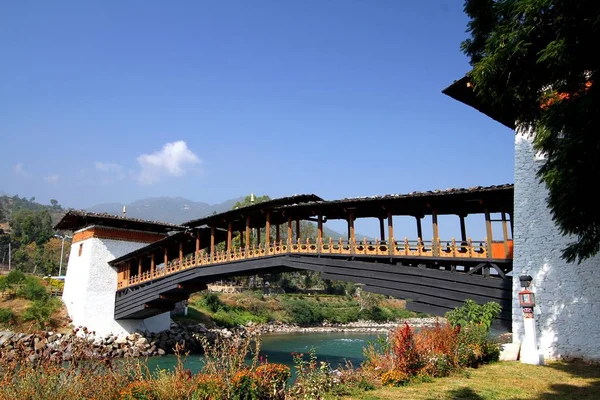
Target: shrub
[(313, 378), (472, 313), (7, 317), (136, 390), (209, 387), (303, 313), (15, 277), (214, 303), (32, 289), (272, 379), (41, 311), (475, 346)]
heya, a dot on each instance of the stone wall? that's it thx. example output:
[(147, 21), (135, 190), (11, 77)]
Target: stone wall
[(567, 295)]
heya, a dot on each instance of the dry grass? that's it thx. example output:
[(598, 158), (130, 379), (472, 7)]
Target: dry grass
[(504, 381)]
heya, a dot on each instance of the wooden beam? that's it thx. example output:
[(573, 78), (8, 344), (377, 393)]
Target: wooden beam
[(268, 229), (297, 229), (229, 235), (258, 236), (488, 231), (277, 237), (212, 241), (381, 229), (505, 234), (139, 266), (463, 229), (241, 238), (289, 231), (166, 257), (419, 228), (248, 231), (436, 235)]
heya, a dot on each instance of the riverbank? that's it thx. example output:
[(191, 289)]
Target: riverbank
[(357, 326)]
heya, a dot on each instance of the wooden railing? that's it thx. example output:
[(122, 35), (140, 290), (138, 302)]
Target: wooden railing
[(406, 248)]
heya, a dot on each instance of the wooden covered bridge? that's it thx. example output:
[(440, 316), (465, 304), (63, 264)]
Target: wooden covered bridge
[(435, 274)]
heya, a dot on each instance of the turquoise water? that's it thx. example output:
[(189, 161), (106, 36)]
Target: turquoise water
[(333, 348)]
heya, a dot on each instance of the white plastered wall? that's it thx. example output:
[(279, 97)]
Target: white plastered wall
[(90, 286), (567, 295)]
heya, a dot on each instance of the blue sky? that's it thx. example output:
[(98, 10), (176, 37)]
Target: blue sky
[(114, 101)]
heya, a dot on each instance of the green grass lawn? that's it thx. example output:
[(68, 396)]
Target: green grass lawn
[(504, 381)]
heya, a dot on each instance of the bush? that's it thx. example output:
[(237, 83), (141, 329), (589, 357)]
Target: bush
[(33, 289), (303, 313), (7, 317), (214, 303), (15, 277), (431, 352), (209, 387), (41, 311), (472, 313)]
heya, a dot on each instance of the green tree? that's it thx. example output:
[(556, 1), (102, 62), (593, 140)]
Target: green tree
[(31, 227), (534, 62)]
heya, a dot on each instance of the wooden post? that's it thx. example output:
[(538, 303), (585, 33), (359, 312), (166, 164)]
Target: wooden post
[(139, 267), (180, 254), (297, 229), (128, 271), (351, 226), (166, 257), (197, 243), (505, 234), (241, 238), (229, 235), (152, 264), (248, 231), (436, 236), (463, 229), (258, 236), (419, 229), (290, 234), (390, 222), (320, 229), (277, 237), (212, 241), (488, 230), (268, 230), (381, 230)]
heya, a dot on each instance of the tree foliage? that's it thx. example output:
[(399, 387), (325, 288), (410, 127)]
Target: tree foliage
[(535, 61), (31, 227)]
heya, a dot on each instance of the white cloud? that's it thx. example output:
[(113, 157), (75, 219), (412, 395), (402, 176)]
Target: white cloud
[(19, 170), (174, 159), (52, 178), (111, 172)]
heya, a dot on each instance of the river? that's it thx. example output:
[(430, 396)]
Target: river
[(334, 348)]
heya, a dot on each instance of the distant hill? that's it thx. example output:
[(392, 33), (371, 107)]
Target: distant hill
[(168, 209), (177, 210)]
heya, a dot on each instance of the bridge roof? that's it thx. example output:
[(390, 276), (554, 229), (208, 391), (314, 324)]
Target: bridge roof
[(255, 208), (77, 219), (449, 201), (187, 238), (462, 90)]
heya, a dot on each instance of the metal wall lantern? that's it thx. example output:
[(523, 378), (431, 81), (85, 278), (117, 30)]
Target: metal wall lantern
[(526, 298)]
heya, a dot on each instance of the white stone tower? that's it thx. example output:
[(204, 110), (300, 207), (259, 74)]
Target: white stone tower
[(91, 283)]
